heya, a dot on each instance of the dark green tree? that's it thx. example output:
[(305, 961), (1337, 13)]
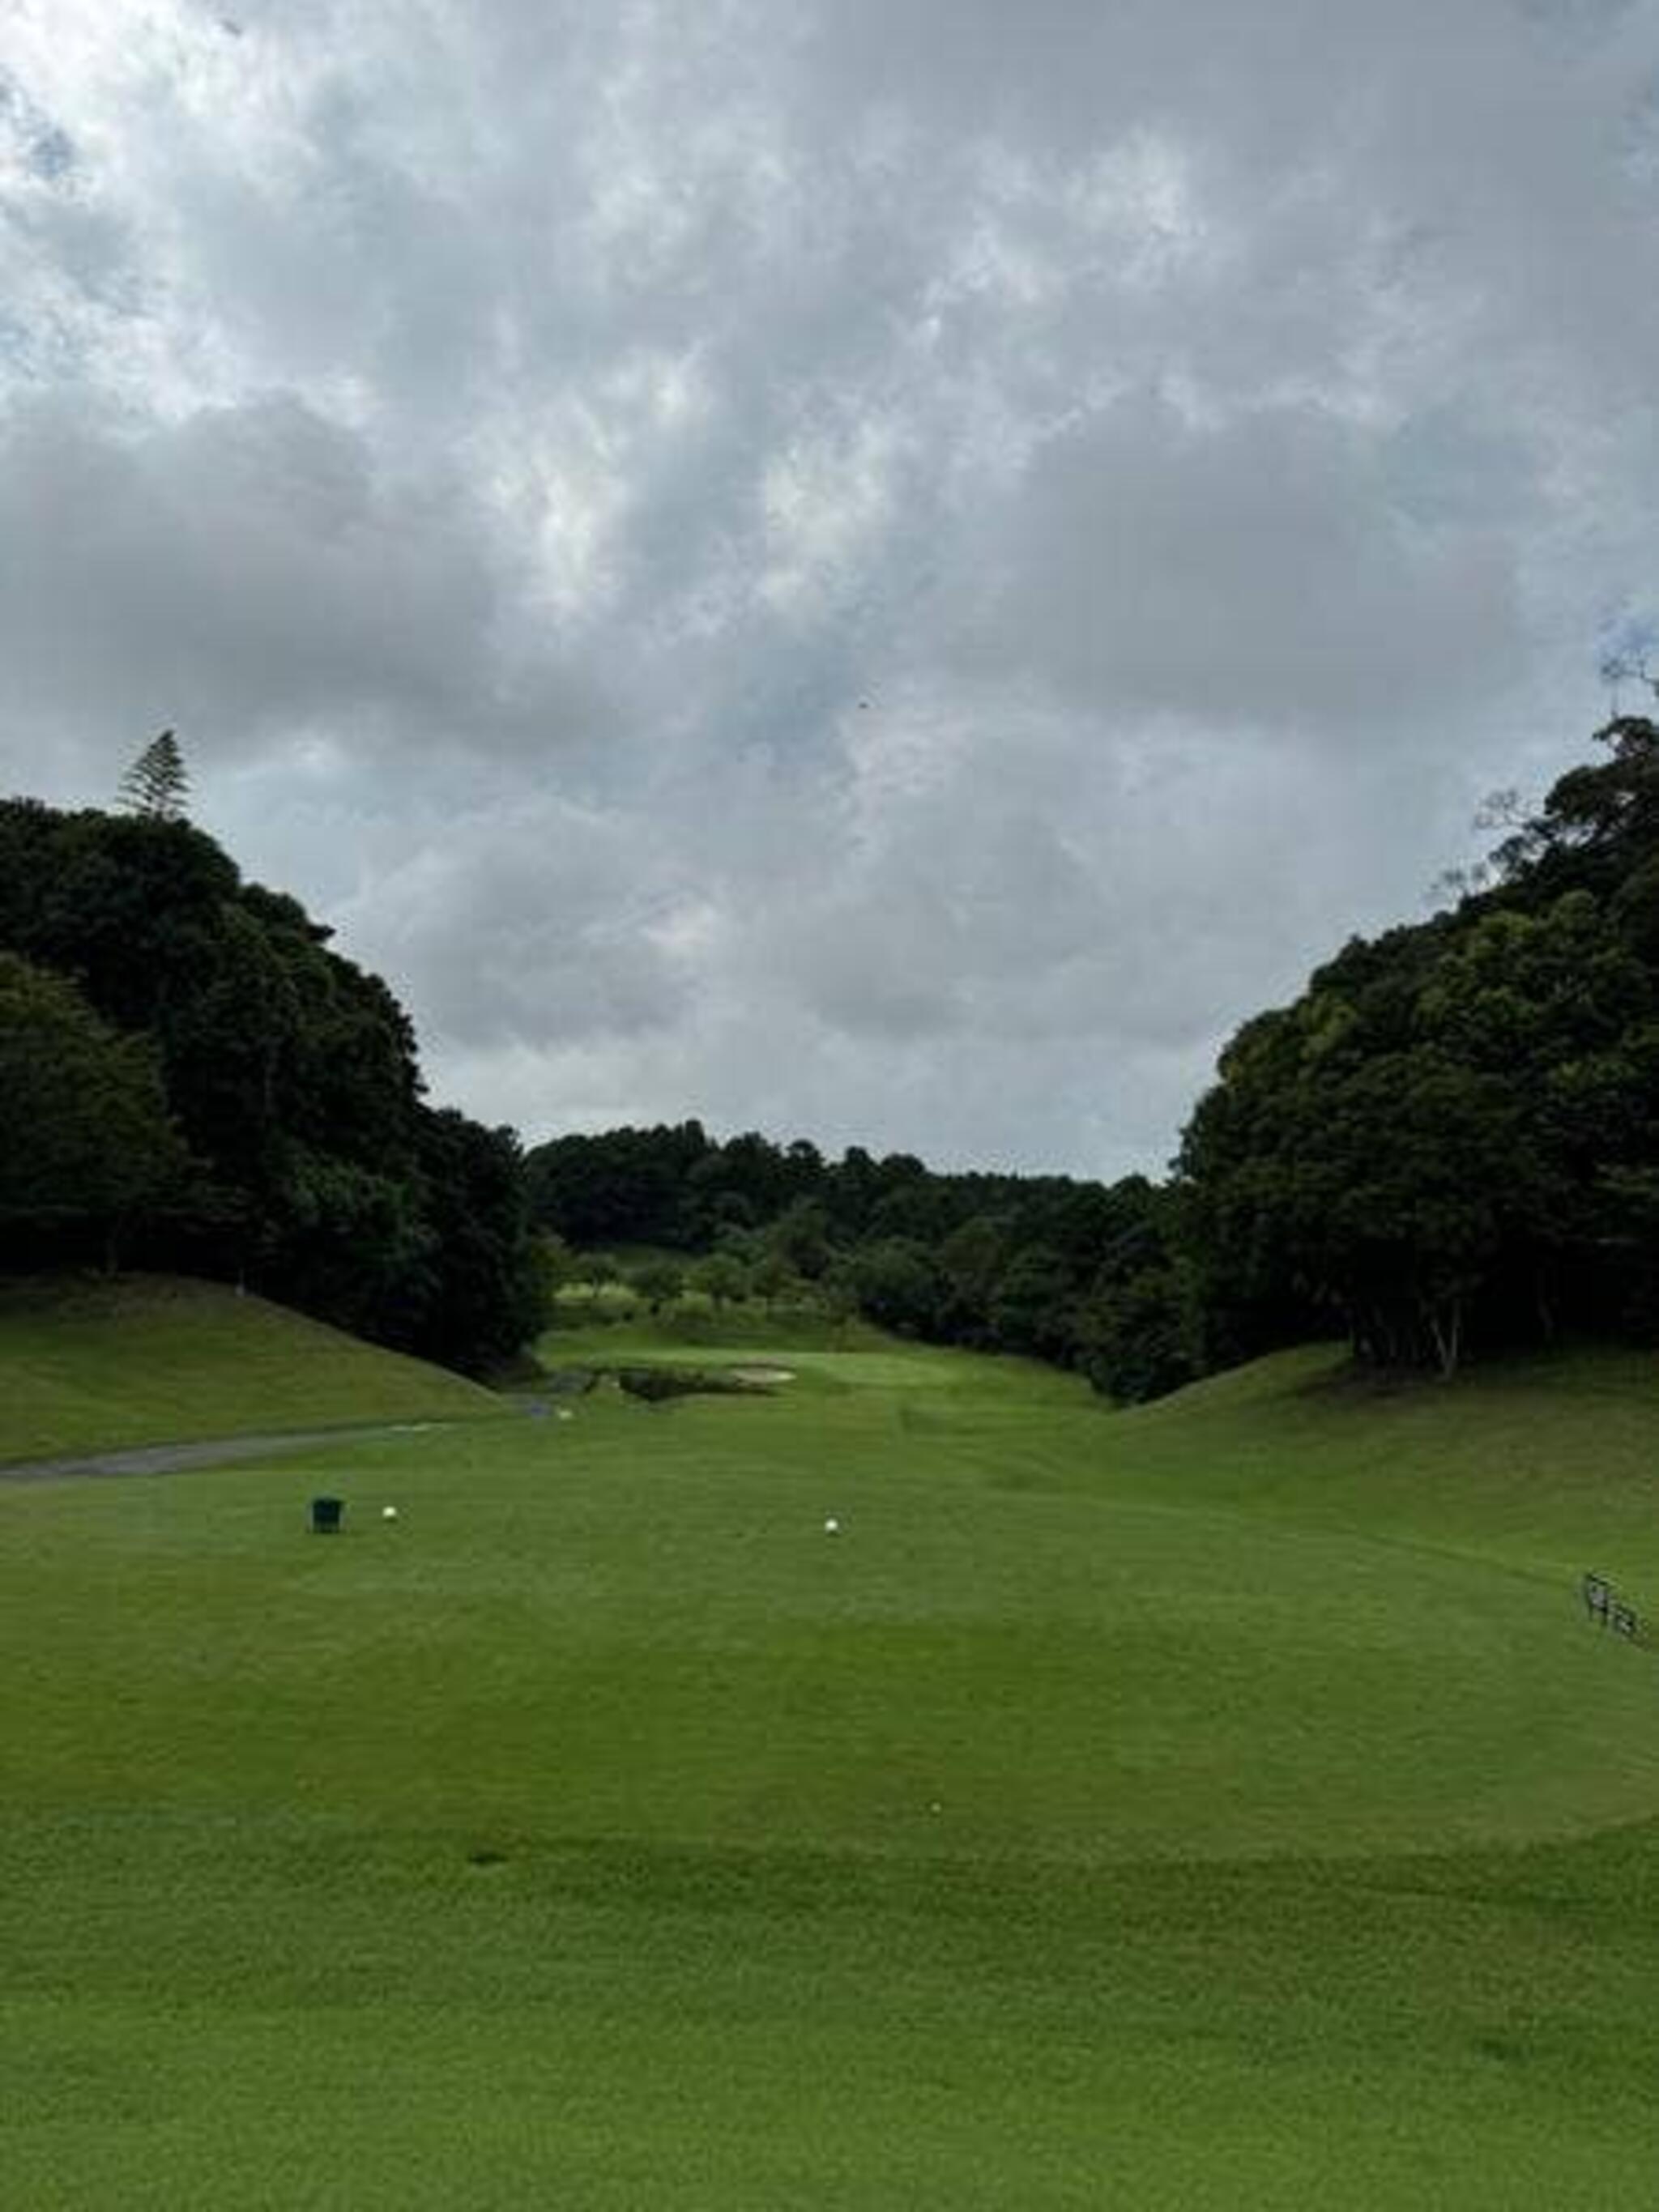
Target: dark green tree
[(485, 1285), (1032, 1304), (897, 1282), (323, 1178), (156, 784), (722, 1278), (799, 1237), (91, 1155), (1452, 1135), (659, 1282), (773, 1280), (972, 1259)]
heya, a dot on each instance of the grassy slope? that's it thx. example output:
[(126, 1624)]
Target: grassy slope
[(1295, 1838), (87, 1365)]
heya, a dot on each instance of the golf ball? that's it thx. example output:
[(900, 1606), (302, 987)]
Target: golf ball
[(831, 1527), (388, 1513)]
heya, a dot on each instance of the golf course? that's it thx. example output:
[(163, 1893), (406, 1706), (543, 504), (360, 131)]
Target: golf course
[(906, 1782)]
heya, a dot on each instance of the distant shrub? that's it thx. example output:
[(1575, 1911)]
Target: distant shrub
[(655, 1384)]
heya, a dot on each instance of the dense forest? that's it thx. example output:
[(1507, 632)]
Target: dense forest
[(1452, 1136), (1062, 1269), (191, 1079), (1449, 1141)]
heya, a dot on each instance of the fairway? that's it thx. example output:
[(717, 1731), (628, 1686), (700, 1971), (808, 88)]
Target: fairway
[(1222, 1804)]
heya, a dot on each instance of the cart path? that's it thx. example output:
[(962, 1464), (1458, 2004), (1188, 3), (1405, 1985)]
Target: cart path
[(178, 1459)]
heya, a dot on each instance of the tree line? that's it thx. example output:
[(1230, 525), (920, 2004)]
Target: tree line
[(193, 1079), (1449, 1141), (1451, 1138), (1065, 1270)]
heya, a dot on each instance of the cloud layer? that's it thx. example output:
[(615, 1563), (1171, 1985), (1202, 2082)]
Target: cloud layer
[(884, 573)]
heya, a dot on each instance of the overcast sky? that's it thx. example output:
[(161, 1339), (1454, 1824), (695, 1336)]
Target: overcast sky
[(885, 570)]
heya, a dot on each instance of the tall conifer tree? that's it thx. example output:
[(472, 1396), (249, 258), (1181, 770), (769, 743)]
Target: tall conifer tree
[(157, 783)]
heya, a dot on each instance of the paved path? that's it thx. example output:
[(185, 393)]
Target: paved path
[(175, 1459)]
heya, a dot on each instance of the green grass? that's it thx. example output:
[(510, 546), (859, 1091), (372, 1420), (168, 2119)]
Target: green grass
[(88, 1363), (1222, 1805)]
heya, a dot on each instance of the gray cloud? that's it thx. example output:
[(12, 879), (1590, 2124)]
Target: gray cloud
[(888, 572), (253, 569), (1259, 571)]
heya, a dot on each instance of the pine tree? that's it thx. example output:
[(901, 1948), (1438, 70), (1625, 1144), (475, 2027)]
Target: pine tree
[(156, 784)]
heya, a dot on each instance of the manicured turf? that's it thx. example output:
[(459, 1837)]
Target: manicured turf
[(87, 1365), (1225, 1805)]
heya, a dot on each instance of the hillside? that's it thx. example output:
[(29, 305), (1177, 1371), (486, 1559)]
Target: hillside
[(196, 1081), (88, 1363)]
